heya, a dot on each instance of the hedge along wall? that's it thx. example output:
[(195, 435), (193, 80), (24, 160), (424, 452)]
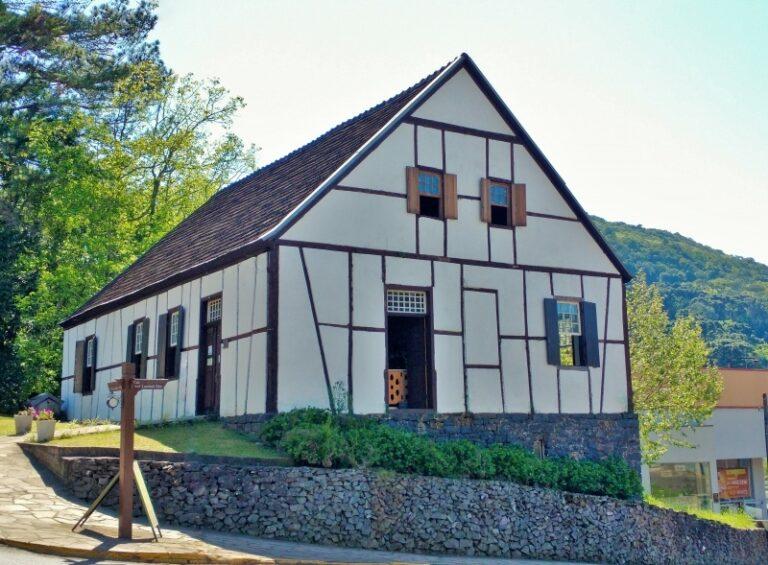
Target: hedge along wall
[(579, 436), (385, 511)]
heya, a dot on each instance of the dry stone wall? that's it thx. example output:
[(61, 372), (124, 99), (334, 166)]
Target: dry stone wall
[(377, 510)]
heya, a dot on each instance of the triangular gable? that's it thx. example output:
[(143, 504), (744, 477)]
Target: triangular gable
[(419, 107)]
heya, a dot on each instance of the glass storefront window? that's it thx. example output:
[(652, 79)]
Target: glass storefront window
[(685, 484)]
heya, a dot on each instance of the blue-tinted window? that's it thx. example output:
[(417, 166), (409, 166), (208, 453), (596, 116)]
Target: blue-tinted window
[(429, 184), (499, 195)]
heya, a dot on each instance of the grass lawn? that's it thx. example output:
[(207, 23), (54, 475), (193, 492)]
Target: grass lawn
[(7, 427), (204, 438), (738, 520)]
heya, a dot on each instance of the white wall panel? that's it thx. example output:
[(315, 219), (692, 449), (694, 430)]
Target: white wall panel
[(480, 332), (257, 378), (595, 290), (170, 397), (430, 147), (509, 284), (261, 292), (515, 368), (368, 291), (243, 349), (541, 194), (459, 101), (537, 289), (384, 167), (173, 296), (193, 367), (567, 285), (574, 391), (212, 283), (465, 157), (615, 379), (450, 374), (300, 377), (615, 312), (547, 242), (329, 275), (468, 237), (228, 379), (543, 379), (502, 245), (368, 372), (595, 377), (500, 159), (246, 279), (408, 272), (446, 297), (484, 391), (431, 241), (336, 345), (192, 317), (229, 303), (358, 220)]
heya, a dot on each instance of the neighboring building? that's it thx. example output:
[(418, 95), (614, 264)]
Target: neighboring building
[(727, 466), (422, 255)]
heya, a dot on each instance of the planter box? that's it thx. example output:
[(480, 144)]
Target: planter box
[(23, 424), (45, 430)]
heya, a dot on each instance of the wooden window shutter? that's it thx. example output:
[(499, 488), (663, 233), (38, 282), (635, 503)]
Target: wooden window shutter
[(162, 346), (553, 333), (129, 343), (79, 366), (485, 201), (450, 197), (92, 372), (179, 345), (144, 348), (412, 186), (519, 211), (589, 342)]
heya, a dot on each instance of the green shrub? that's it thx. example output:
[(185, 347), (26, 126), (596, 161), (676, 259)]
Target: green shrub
[(317, 445), (273, 431), (315, 437), (466, 459)]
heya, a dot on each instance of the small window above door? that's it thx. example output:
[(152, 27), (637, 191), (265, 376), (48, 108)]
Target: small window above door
[(406, 302), (213, 310)]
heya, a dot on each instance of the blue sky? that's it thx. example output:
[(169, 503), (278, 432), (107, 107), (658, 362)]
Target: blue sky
[(654, 112)]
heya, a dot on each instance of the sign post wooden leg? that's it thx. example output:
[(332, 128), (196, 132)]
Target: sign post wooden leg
[(127, 425)]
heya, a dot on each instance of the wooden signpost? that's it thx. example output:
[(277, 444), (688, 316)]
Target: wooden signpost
[(130, 472)]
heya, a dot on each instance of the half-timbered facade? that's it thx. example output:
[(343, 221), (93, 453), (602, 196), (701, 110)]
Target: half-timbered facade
[(423, 255)]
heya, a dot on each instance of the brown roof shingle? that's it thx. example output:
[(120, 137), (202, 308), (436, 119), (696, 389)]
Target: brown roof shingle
[(238, 214)]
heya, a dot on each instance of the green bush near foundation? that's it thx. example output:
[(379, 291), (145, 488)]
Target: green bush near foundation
[(317, 438)]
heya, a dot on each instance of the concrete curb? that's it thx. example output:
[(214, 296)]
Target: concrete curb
[(148, 556)]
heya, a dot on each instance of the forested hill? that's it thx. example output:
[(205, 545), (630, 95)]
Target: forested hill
[(728, 294)]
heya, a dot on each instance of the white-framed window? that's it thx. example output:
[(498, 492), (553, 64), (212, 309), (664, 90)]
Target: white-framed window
[(89, 353), (138, 338), (173, 337), (569, 328), (213, 310), (406, 302)]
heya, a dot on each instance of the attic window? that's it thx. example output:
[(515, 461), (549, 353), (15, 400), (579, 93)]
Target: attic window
[(430, 194), (500, 215)]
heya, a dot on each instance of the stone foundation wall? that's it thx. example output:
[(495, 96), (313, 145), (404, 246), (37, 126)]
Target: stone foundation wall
[(358, 508), (580, 436)]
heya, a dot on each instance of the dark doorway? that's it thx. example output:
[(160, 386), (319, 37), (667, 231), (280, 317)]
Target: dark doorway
[(409, 348), (209, 374)]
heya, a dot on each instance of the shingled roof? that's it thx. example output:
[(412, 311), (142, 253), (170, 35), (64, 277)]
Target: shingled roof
[(238, 220), (238, 215)]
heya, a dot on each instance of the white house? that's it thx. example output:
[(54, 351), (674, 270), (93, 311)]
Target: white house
[(423, 255)]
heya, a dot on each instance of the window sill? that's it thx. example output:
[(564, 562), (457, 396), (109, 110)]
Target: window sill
[(572, 368)]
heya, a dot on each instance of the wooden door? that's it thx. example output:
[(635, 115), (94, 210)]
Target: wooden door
[(209, 387)]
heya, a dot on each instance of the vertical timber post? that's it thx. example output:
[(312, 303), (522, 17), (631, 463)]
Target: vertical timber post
[(127, 425)]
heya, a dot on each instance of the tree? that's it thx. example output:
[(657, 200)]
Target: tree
[(674, 387), (102, 151)]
